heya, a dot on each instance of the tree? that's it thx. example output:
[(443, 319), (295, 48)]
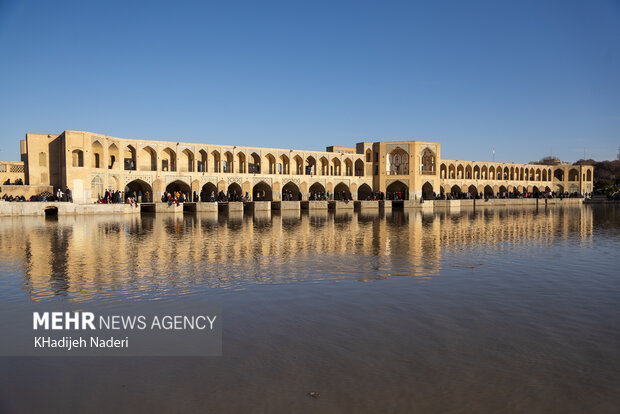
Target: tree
[(548, 160)]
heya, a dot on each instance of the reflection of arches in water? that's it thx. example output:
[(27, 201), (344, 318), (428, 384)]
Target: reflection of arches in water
[(364, 192), (339, 190), (398, 187), (290, 191), (261, 192), (427, 191), (179, 186), (139, 186), (207, 190)]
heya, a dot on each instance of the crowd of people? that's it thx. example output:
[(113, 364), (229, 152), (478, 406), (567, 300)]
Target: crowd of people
[(60, 195), (121, 197)]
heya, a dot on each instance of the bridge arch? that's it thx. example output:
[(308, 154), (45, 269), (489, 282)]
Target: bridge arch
[(398, 187), (262, 192), (427, 191), (138, 186), (290, 191), (341, 192), (364, 192)]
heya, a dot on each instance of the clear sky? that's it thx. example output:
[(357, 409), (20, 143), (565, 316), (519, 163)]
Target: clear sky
[(527, 78)]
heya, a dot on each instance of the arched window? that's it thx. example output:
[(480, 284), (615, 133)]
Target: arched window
[(77, 157), (428, 161), (397, 162), (96, 187)]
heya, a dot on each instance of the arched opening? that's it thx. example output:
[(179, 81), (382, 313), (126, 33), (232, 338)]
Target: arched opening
[(427, 191), (270, 160), (148, 159), (235, 193), (129, 158), (468, 172), (96, 187), (397, 191), (112, 156), (397, 162), (484, 173), (335, 167), (502, 190), (241, 163), (488, 191), (77, 158), (187, 161), (573, 175), (316, 192), (137, 187), (290, 192), (536, 191), (254, 165), (368, 155), (473, 191), (364, 192), (208, 192), (227, 162), (544, 175), (460, 171), (451, 171), (203, 158), (359, 168), (558, 174), (455, 190), (168, 160), (310, 165), (261, 192), (286, 164), (51, 212), (324, 166), (428, 161), (443, 171), (476, 172), (341, 192), (214, 160), (97, 155), (348, 167), (506, 173), (299, 163), (179, 187), (588, 175)]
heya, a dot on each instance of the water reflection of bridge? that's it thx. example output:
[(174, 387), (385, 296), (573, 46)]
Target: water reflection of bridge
[(88, 256)]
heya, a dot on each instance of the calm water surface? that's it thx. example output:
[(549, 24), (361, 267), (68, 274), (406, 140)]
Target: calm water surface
[(496, 310)]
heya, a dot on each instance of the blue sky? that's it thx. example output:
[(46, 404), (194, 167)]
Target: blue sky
[(527, 78)]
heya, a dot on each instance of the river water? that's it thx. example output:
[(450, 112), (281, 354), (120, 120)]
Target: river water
[(497, 310)]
